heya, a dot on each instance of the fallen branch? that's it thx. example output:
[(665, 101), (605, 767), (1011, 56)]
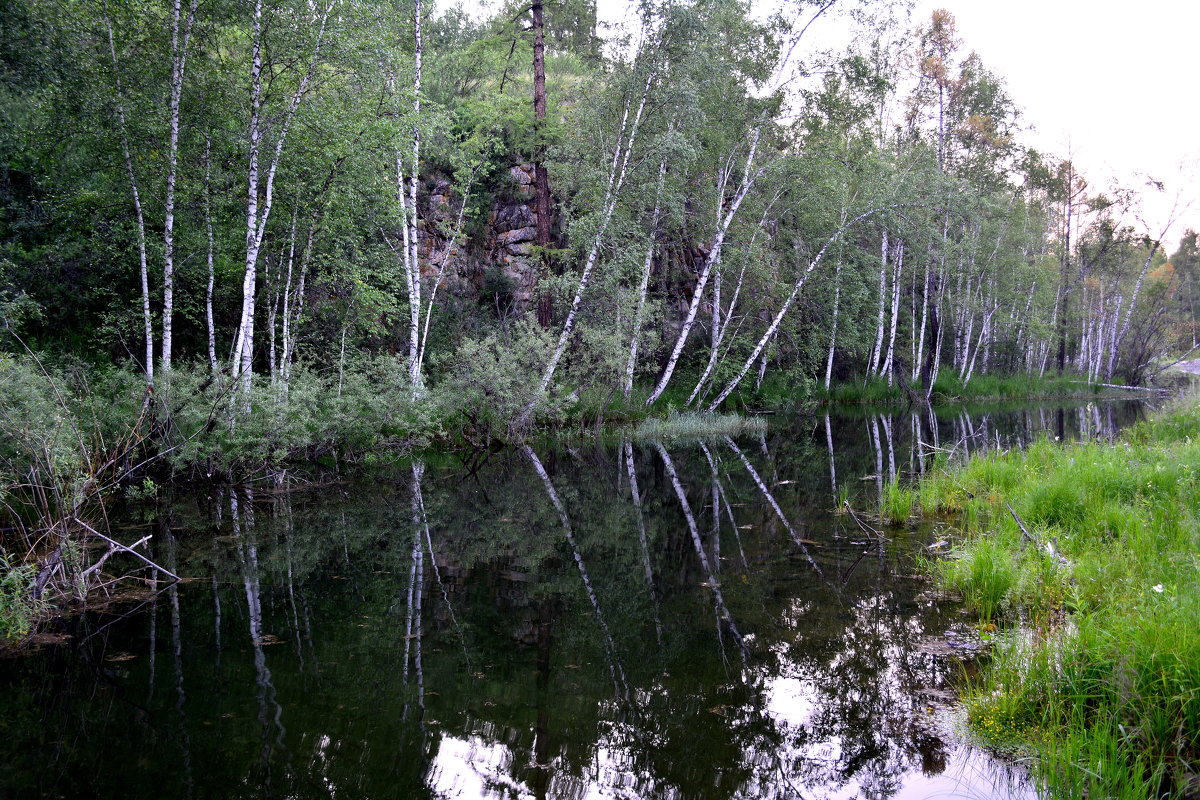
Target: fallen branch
[(867, 529), (1155, 389), (1025, 534), (131, 551)]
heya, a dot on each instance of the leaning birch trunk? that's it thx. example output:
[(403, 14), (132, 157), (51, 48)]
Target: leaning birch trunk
[(877, 350), (983, 332), (837, 296), (178, 65), (441, 271), (616, 178), (137, 207), (714, 258), (837, 292), (256, 222), (643, 286), (720, 329), (897, 270), (1124, 329), (770, 332), (920, 355)]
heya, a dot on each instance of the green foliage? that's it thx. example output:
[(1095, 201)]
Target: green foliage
[(949, 389), (17, 609), (320, 417), (492, 382), (983, 574), (899, 501)]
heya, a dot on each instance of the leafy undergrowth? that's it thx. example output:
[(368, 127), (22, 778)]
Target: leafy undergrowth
[(1102, 680)]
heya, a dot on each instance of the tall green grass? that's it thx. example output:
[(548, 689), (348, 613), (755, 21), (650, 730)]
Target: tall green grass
[(949, 388), (1101, 678), (899, 501)]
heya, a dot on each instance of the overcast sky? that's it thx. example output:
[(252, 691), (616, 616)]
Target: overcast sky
[(1114, 82)]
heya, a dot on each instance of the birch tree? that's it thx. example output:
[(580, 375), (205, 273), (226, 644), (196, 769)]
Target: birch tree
[(256, 215), (147, 322), (181, 33)]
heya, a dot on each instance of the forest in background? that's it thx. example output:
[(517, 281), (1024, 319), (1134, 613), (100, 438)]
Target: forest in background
[(335, 224)]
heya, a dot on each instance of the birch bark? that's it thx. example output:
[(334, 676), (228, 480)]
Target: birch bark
[(208, 228), (897, 270), (770, 332), (616, 178), (256, 219), (713, 258), (179, 52), (643, 286), (137, 208), (876, 351)]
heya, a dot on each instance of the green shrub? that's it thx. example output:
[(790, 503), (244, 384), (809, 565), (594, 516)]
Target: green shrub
[(17, 609)]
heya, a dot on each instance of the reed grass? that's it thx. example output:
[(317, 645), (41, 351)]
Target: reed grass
[(1101, 677), (698, 425), (899, 502)]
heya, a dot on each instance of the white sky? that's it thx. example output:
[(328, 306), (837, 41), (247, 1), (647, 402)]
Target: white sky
[(1114, 83)]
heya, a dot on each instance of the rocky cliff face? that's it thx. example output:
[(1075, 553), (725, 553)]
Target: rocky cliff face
[(504, 248), (505, 244)]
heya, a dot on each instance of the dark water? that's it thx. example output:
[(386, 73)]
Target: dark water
[(588, 620)]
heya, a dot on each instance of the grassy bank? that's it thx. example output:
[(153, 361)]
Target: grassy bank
[(1098, 670), (949, 388)]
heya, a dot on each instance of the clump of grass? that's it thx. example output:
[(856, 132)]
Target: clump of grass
[(984, 573), (1110, 701), (698, 425), (899, 502)]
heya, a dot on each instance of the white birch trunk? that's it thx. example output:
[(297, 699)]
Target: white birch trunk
[(720, 328), (178, 65), (920, 355), (983, 329), (414, 298), (1124, 325), (770, 332), (616, 178), (714, 258), (208, 295), (837, 297), (897, 270), (137, 207), (644, 284), (876, 351), (256, 219), (441, 271)]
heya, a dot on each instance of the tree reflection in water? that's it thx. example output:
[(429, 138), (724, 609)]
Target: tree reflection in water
[(687, 620)]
